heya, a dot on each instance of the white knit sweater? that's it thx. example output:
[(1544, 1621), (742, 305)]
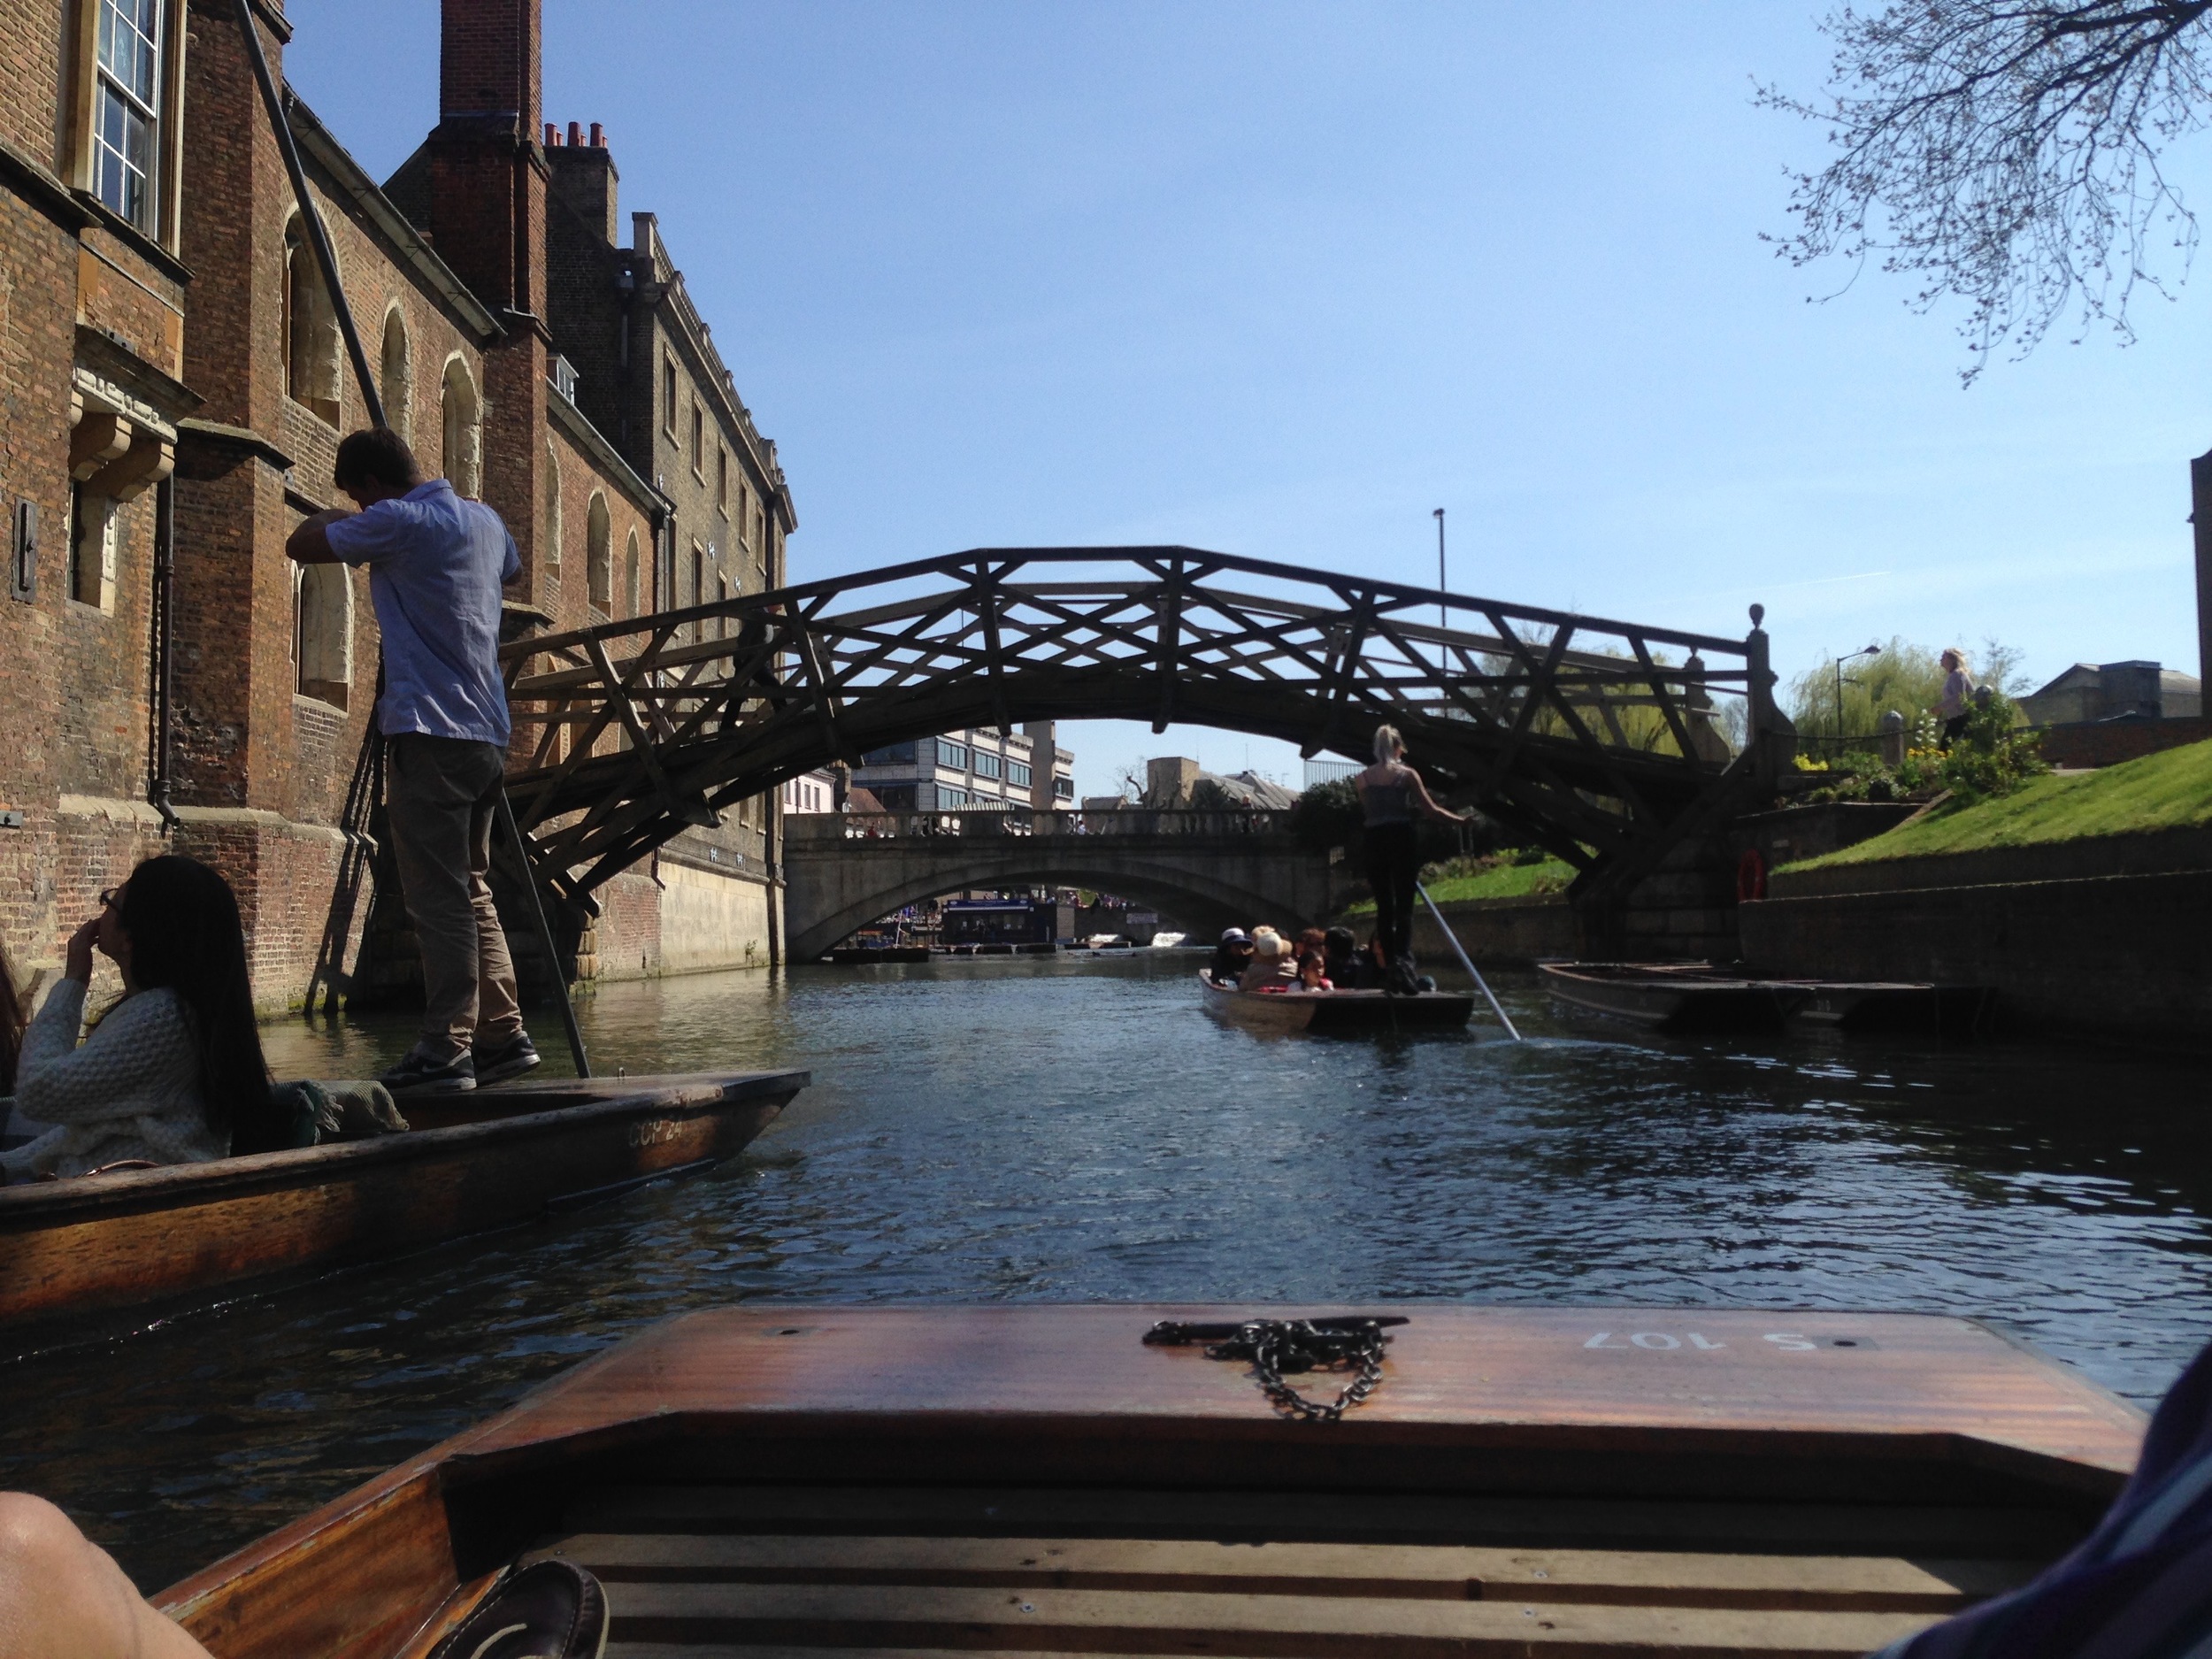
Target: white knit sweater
[(130, 1090)]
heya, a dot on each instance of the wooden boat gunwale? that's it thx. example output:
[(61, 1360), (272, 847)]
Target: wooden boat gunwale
[(95, 1255), (695, 1402)]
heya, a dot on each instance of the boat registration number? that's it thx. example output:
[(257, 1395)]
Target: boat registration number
[(656, 1132), (1694, 1342)]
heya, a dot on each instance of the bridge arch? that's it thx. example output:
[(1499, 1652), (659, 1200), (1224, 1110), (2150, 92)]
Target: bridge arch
[(1596, 739), (845, 887)]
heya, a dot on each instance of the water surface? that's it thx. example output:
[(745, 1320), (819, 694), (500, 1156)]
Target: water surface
[(1076, 1129)]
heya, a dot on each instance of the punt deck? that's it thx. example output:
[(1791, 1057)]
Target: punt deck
[(778, 1480), (92, 1249)]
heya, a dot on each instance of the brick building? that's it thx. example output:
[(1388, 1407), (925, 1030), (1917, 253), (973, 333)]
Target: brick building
[(171, 390)]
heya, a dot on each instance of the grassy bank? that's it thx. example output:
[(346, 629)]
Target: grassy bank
[(1501, 881), (2172, 790)]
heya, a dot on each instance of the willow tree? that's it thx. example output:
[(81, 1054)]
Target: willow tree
[(2006, 156)]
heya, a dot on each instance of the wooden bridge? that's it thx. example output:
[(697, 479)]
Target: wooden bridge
[(1607, 742)]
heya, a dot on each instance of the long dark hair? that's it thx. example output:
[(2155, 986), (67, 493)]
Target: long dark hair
[(11, 1022), (183, 921)]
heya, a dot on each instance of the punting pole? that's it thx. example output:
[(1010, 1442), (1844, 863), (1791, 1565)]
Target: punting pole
[(318, 238), (1467, 962), (545, 933)]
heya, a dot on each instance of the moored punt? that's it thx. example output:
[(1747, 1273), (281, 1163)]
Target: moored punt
[(783, 1478), (474, 1162), (1695, 996), (1334, 1010)]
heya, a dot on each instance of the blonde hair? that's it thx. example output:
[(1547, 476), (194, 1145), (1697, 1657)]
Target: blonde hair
[(1952, 657), (1388, 744)]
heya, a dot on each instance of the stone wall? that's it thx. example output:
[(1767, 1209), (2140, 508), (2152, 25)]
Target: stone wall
[(710, 920), (2108, 742)]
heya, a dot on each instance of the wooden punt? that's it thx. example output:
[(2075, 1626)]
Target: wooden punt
[(774, 1480), (1695, 996), (78, 1250), (1334, 1010)]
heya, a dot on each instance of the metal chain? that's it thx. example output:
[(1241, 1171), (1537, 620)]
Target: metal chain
[(1275, 1347)]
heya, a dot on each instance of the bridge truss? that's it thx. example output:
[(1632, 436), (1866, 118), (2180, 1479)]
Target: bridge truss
[(1602, 740)]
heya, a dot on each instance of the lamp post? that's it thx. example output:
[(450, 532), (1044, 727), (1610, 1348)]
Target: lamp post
[(1871, 650), (1441, 585)]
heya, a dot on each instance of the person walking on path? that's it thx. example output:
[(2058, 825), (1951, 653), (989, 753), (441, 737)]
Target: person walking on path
[(1958, 696), (1390, 793), (436, 564)]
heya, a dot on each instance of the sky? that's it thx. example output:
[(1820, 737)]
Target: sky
[(1278, 279)]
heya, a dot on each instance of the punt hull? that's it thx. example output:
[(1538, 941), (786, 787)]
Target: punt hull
[(1695, 997), (1335, 1010), (892, 1479), (102, 1244)]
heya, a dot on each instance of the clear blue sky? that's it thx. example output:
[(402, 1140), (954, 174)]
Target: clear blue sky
[(1280, 279)]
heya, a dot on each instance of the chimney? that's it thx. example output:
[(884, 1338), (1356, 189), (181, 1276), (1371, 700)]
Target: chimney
[(598, 136), (552, 134), (584, 178), (575, 136), (486, 206)]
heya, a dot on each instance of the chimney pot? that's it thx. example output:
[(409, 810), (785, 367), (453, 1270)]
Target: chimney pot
[(598, 136), (552, 135), (576, 133)]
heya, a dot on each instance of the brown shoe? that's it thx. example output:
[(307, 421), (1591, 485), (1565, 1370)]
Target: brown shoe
[(551, 1609)]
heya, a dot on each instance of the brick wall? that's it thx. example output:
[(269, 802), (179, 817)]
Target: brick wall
[(2108, 742)]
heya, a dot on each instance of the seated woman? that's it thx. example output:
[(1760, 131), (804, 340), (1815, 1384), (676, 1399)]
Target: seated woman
[(1232, 957), (1341, 951), (170, 1074), (1313, 974)]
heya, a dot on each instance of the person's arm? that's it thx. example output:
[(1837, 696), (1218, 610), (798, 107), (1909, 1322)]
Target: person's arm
[(309, 543), (137, 1050), (1427, 803), (510, 564)]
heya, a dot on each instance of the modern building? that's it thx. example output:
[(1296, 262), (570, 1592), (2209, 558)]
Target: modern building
[(980, 769), (174, 387), (814, 792), (2115, 691)]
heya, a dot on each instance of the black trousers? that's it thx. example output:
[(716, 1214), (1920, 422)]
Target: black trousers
[(1393, 867)]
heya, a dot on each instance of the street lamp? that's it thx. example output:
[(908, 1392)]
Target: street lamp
[(1871, 650), (1441, 585)]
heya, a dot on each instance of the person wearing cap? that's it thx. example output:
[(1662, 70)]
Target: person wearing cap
[(1231, 956)]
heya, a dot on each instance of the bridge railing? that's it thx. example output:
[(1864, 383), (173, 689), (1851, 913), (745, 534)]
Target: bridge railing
[(815, 827)]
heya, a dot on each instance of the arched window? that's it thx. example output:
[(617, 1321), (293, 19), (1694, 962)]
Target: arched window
[(630, 574), (553, 529), (463, 413), (311, 328), (397, 382), (599, 553), (322, 633)]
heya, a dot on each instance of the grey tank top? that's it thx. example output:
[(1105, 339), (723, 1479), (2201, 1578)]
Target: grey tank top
[(1389, 802)]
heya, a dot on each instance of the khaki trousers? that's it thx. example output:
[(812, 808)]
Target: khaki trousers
[(439, 795)]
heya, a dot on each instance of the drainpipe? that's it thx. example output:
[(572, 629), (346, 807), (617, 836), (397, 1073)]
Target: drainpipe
[(164, 610)]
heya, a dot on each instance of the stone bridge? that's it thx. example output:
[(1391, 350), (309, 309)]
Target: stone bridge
[(1210, 870)]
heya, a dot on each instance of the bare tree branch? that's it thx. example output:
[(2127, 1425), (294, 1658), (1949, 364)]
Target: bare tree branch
[(2005, 154)]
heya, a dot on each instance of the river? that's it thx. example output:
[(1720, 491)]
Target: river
[(1077, 1129)]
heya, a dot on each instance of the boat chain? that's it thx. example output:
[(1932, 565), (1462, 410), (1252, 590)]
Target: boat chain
[(1279, 1346)]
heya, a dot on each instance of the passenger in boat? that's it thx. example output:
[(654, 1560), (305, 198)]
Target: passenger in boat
[(63, 1597), (1232, 957), (1273, 967), (436, 565), (1391, 794), (1313, 972), (1340, 951), (172, 1073)]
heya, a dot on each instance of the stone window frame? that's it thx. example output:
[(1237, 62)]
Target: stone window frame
[(668, 394), (722, 479), (396, 371), (698, 440), (160, 221), (555, 529), (322, 633), (599, 554), (633, 573), (457, 379), (314, 375)]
